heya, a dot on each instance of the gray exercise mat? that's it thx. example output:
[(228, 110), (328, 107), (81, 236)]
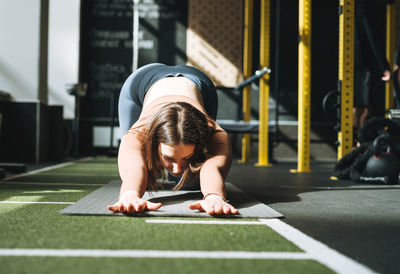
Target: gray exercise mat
[(175, 203)]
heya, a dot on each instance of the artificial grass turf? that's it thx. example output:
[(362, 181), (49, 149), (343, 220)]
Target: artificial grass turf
[(74, 265), (99, 170), (88, 168), (42, 226), (101, 160), (68, 178), (37, 193)]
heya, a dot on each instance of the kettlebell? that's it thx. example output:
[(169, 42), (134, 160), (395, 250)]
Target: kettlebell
[(383, 166)]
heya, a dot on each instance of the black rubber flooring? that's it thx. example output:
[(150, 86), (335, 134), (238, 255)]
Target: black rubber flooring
[(360, 221)]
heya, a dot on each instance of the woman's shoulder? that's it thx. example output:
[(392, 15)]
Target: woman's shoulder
[(133, 137)]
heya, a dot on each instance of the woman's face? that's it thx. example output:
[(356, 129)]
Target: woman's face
[(175, 158)]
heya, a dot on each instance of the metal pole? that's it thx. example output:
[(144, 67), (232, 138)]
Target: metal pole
[(247, 71), (135, 61), (390, 48), (304, 87), (346, 76), (276, 65), (263, 138)]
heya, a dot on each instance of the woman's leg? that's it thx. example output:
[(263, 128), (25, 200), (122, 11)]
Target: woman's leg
[(128, 112), (132, 95)]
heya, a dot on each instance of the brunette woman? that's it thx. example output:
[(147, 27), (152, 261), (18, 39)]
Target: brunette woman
[(167, 117)]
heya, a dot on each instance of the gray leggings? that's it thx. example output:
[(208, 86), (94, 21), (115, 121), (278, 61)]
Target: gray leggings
[(138, 83)]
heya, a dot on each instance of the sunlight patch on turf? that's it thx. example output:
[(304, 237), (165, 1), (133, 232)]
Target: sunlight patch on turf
[(23, 198), (75, 174), (41, 202), (54, 191), (9, 206)]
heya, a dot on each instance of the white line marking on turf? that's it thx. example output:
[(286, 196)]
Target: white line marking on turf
[(46, 169), (112, 174), (317, 250), (27, 202), (204, 222), (153, 254), (48, 184), (353, 187)]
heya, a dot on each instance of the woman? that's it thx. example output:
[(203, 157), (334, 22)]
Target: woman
[(168, 114)]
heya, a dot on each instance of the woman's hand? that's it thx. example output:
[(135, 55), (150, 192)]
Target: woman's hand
[(130, 202), (214, 205), (386, 76)]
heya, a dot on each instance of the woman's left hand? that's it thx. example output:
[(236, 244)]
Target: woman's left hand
[(214, 205)]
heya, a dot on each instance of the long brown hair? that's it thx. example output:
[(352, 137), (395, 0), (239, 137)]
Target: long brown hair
[(176, 123)]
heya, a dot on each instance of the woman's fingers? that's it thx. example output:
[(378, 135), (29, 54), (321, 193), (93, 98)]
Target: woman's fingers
[(202, 206), (130, 208), (153, 206), (208, 207), (113, 207), (134, 207), (196, 205), (226, 209), (234, 210), (218, 209), (213, 207)]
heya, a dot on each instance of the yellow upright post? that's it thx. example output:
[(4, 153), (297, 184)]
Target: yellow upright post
[(346, 76), (304, 87), (264, 84), (390, 48), (247, 71)]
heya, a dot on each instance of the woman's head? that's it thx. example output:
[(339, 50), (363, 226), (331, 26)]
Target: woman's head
[(176, 158), (176, 138)]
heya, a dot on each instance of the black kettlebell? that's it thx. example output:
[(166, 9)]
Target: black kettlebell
[(383, 166)]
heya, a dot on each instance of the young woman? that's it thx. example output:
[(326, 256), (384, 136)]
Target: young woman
[(167, 115)]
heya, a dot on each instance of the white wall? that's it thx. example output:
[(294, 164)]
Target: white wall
[(19, 48), (63, 52)]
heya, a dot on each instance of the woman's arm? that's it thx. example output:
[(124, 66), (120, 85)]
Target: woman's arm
[(133, 172), (216, 168), (212, 176), (132, 165)]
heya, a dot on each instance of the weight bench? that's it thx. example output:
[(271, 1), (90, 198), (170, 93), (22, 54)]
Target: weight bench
[(252, 127)]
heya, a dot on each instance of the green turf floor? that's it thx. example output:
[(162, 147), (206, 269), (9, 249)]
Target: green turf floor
[(41, 226), (159, 266)]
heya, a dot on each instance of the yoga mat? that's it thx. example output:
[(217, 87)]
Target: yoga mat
[(175, 203)]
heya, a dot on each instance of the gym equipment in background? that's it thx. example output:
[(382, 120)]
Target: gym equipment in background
[(8, 167), (384, 165), (377, 159), (78, 90)]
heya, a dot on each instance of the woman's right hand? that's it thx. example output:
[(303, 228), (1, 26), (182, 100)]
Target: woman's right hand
[(129, 202)]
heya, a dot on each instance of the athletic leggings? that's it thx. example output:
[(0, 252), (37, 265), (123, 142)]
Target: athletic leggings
[(138, 83)]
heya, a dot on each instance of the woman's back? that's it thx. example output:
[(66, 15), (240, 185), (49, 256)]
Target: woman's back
[(173, 86)]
